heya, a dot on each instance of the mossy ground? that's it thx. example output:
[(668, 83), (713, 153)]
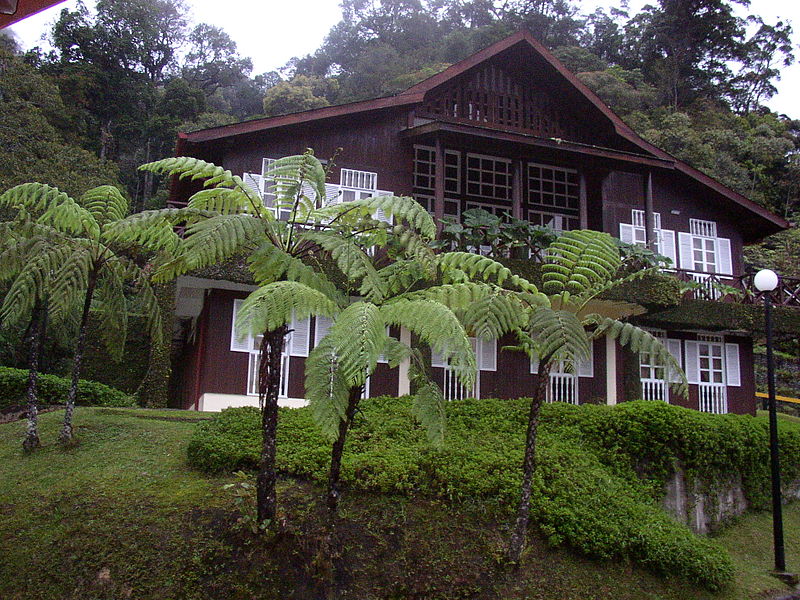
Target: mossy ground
[(122, 516)]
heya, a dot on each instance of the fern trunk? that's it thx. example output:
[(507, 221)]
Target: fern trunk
[(269, 384), (80, 346), (37, 332), (517, 541), (334, 475)]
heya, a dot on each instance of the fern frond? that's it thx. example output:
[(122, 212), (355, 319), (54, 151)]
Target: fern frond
[(495, 315), (437, 326), (401, 208), (640, 341), (106, 204), (359, 336), (456, 296), (578, 262), (225, 201), (326, 390), (269, 264), (559, 333), (111, 307), (299, 182), (352, 260), (69, 282), (400, 276), (428, 405), (475, 266), (193, 168), (32, 283), (211, 242), (154, 229), (274, 304)]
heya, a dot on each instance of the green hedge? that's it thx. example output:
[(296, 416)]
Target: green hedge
[(599, 481), (53, 390)]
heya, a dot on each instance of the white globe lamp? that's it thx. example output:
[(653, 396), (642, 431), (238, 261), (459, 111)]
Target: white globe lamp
[(765, 280)]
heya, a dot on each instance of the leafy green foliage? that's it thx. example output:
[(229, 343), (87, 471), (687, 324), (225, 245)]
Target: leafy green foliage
[(617, 458), (53, 390)]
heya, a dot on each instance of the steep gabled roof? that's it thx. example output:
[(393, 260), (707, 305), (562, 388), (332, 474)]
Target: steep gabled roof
[(418, 93)]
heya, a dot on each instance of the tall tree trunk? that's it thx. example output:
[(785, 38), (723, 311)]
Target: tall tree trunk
[(517, 541), (332, 497), (66, 430), (269, 384), (38, 330)]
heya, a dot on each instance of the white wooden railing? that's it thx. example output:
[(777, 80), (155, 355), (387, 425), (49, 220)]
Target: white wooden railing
[(563, 388), (654, 389), (713, 398), (453, 390)]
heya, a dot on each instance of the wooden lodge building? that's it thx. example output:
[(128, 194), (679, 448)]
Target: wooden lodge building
[(511, 130)]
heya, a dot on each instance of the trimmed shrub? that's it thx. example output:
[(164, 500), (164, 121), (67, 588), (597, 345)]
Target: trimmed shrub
[(54, 390), (599, 479)]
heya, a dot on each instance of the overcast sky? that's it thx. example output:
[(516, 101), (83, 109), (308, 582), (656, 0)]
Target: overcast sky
[(272, 32)]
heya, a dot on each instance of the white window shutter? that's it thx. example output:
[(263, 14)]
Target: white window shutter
[(724, 262), (535, 364), (667, 247), (333, 194), (691, 366), (254, 182), (266, 163), (300, 337), (685, 246), (674, 348), (487, 359), (238, 344), (626, 233), (732, 372), (321, 326), (586, 365)]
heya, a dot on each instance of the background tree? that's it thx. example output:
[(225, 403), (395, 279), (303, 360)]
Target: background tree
[(83, 266)]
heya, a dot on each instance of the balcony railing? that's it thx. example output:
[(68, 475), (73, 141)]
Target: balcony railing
[(725, 288)]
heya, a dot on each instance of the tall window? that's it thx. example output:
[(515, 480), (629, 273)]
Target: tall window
[(425, 179), (489, 177), (636, 233), (486, 355), (713, 366), (703, 251), (295, 344)]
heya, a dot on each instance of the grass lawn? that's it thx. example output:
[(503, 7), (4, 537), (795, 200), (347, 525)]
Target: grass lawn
[(122, 516)]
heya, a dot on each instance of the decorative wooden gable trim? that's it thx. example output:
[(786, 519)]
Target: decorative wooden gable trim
[(491, 96)]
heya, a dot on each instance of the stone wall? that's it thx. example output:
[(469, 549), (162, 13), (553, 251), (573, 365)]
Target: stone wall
[(704, 507)]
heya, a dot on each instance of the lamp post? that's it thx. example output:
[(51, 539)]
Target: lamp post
[(766, 281)]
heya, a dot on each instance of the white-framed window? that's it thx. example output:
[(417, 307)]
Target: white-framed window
[(486, 357), (425, 170), (553, 187), (555, 221), (703, 252), (295, 344), (654, 375), (712, 365), (489, 177), (565, 377), (635, 232)]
